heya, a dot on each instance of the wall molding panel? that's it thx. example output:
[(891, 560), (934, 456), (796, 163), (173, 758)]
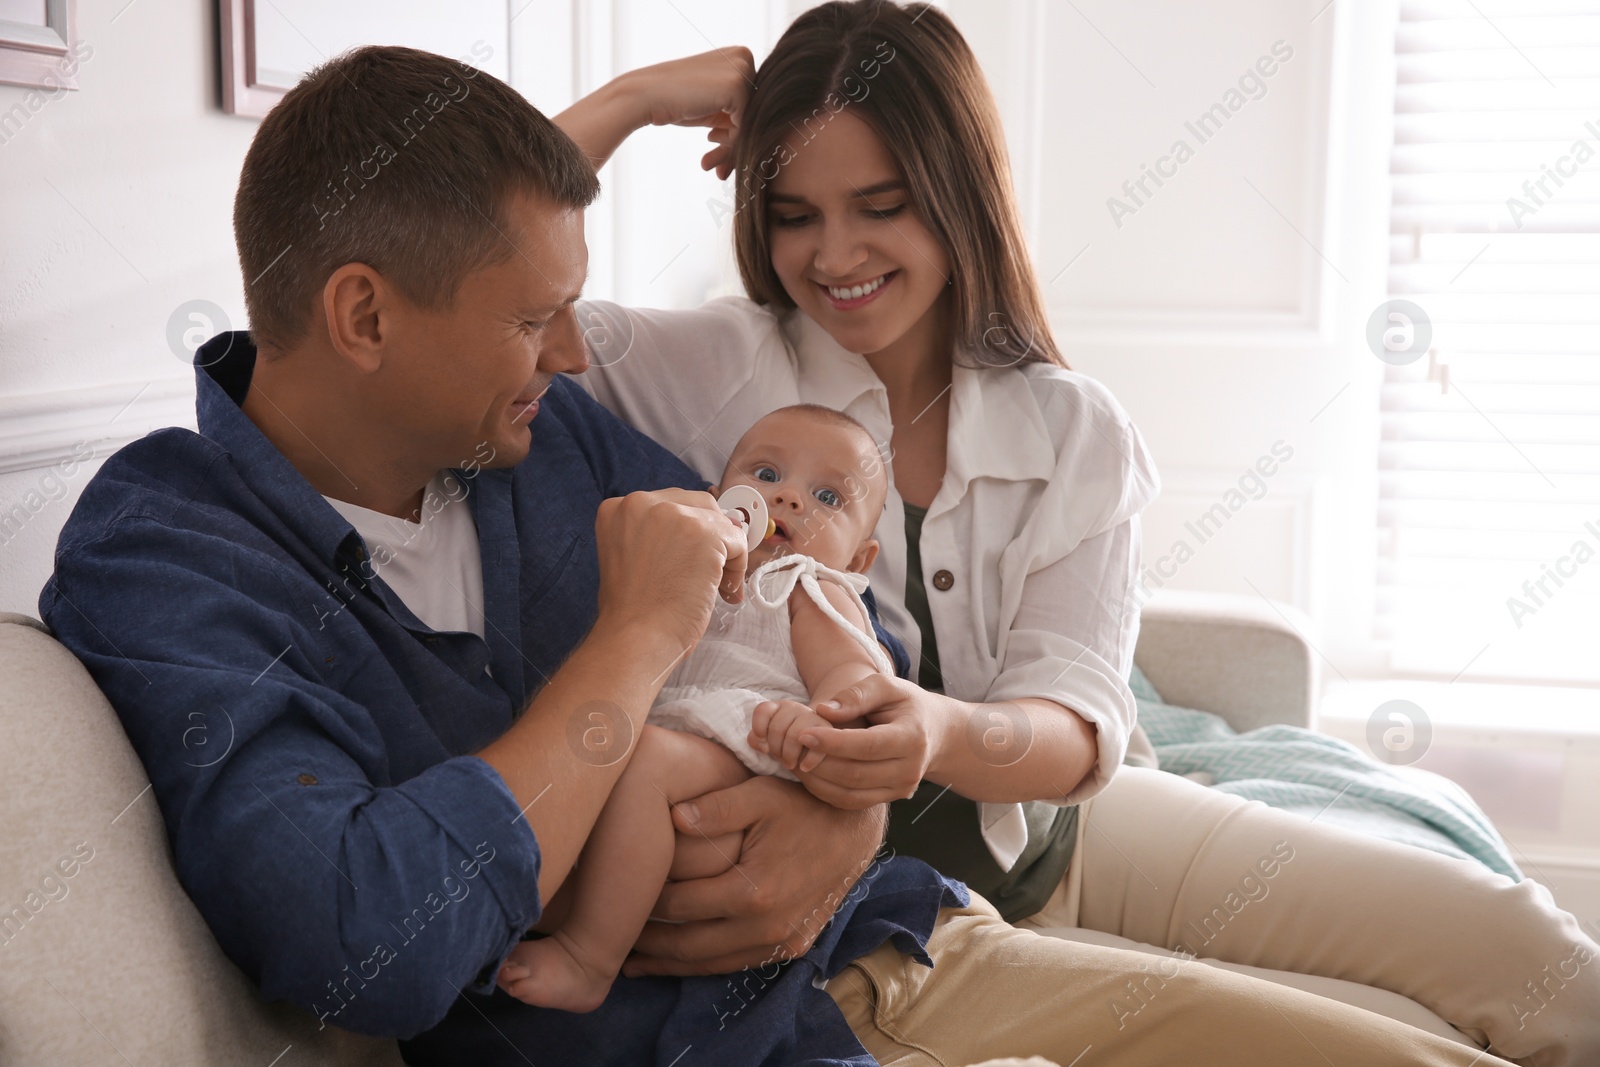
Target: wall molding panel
[(39, 430), (1178, 315), (1265, 543)]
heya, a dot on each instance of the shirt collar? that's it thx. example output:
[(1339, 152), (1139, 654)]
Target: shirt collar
[(223, 367), (996, 428), (829, 375)]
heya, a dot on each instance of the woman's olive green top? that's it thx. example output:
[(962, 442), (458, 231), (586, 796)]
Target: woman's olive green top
[(940, 827)]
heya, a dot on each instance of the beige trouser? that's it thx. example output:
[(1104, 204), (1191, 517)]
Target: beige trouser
[(1168, 862)]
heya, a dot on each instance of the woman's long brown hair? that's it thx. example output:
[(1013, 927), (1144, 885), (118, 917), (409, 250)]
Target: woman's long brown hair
[(910, 75)]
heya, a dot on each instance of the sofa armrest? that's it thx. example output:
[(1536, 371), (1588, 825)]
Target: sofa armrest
[(99, 927), (24, 620), (1241, 657)]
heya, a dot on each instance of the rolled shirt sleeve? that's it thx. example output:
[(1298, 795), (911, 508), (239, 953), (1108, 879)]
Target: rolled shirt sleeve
[(1069, 579), (357, 890), (1072, 642)]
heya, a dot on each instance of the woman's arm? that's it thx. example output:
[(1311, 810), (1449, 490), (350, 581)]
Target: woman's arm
[(709, 89), (693, 379), (1056, 718), (1001, 752)]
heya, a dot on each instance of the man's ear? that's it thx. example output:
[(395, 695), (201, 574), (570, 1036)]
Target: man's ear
[(357, 302), (861, 562)]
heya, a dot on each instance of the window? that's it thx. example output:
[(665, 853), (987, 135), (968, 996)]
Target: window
[(1489, 480)]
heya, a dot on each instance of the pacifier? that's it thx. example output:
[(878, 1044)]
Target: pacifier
[(745, 505)]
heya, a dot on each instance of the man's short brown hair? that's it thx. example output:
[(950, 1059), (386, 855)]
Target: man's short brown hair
[(399, 159)]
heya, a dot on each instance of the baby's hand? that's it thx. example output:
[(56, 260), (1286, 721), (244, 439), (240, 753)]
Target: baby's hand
[(776, 731)]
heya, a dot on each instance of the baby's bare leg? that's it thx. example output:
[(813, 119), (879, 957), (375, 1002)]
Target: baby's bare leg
[(709, 858), (620, 872)]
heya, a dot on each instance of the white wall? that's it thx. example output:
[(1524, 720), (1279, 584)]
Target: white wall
[(117, 201), (1225, 310), (1208, 310)]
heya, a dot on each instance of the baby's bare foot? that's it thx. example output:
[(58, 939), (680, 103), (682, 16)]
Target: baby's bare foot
[(551, 973)]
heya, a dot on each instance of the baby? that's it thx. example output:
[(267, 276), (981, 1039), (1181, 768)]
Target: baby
[(801, 635)]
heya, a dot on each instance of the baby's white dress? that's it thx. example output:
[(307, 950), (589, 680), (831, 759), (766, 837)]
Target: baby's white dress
[(747, 656)]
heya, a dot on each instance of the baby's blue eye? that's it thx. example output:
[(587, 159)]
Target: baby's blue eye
[(829, 497), (765, 474)]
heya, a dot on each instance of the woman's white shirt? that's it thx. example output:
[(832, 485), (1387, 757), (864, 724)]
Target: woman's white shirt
[(1030, 549)]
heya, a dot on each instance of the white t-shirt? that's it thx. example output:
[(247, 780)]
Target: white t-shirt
[(434, 566), (1030, 550)]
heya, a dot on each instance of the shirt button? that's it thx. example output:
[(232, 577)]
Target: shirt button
[(943, 580), (307, 779)]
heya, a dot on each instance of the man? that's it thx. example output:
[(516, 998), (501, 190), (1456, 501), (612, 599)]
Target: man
[(383, 630), (357, 800)]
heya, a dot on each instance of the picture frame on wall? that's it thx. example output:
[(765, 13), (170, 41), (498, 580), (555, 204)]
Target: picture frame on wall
[(268, 45), (39, 46)]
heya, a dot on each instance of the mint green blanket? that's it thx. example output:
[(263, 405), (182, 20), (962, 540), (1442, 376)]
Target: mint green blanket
[(1320, 777)]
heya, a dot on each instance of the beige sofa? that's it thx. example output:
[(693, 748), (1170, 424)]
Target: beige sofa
[(103, 958)]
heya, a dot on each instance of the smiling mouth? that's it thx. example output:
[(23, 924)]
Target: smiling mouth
[(851, 296), (526, 405)]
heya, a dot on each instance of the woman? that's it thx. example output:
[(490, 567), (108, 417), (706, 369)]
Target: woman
[(887, 276)]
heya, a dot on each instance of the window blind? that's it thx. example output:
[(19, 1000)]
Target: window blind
[(1489, 482)]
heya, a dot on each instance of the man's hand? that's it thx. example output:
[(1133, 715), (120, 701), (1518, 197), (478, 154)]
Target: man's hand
[(662, 554), (768, 907)]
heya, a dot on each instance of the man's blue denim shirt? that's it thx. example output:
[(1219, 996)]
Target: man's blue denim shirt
[(310, 740)]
